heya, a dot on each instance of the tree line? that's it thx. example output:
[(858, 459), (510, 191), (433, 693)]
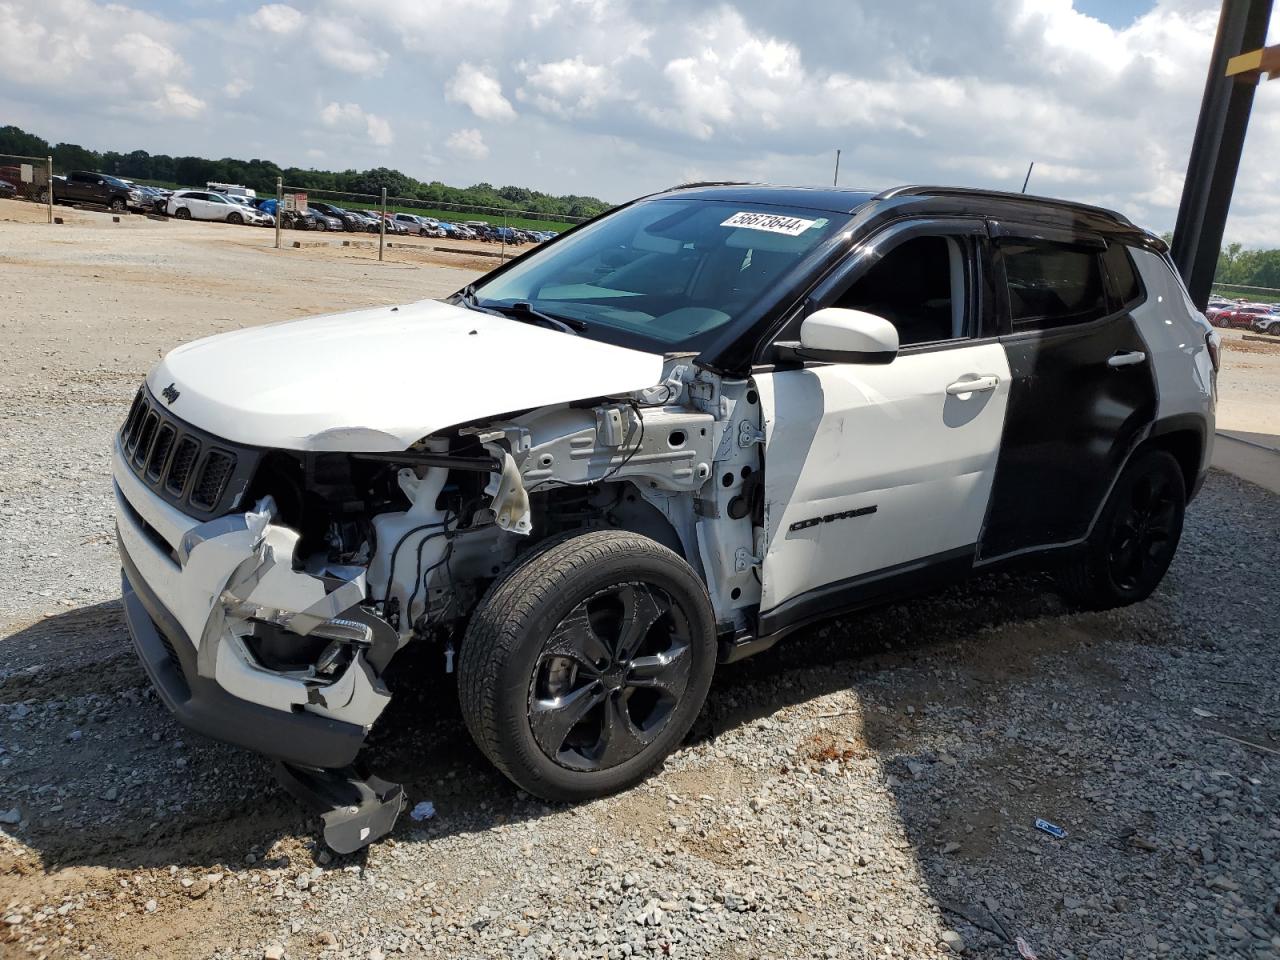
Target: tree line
[(261, 176)]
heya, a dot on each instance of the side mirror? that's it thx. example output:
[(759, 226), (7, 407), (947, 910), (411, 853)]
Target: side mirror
[(836, 335)]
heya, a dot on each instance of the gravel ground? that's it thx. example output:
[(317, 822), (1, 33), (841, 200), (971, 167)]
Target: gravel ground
[(868, 788)]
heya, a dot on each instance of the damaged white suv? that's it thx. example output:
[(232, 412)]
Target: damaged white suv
[(662, 440)]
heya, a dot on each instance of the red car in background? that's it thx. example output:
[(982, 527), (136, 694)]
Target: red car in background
[(1243, 317)]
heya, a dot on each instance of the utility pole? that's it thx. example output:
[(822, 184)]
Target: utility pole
[(382, 225), (48, 162), (1028, 177), (835, 181), (1235, 69), (279, 208)]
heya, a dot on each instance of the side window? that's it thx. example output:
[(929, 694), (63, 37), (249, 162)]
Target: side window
[(1122, 278), (1052, 284), (920, 286)]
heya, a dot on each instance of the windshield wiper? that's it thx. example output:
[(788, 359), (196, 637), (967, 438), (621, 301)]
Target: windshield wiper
[(521, 310)]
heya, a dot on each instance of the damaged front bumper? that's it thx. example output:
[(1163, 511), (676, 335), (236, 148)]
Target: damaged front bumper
[(194, 593)]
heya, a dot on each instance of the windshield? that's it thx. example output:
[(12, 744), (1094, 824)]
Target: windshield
[(668, 273)]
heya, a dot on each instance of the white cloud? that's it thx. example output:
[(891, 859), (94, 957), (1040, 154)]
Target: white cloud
[(351, 117), (126, 58), (480, 91), (340, 44), (633, 95), (278, 18), (567, 88), (468, 144)]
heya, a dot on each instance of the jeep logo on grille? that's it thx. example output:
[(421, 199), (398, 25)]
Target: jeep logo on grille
[(170, 394)]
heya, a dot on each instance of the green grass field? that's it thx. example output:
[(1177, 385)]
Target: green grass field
[(1255, 296)]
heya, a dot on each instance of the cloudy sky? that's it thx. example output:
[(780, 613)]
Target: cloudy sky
[(621, 97)]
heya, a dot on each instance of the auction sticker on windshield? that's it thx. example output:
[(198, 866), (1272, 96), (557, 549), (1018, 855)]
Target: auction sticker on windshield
[(770, 222)]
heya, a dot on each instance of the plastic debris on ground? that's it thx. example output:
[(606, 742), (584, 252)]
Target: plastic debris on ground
[(1024, 950), (424, 810), (1052, 829)]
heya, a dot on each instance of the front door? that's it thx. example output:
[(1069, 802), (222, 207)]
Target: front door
[(1083, 389), (874, 470)]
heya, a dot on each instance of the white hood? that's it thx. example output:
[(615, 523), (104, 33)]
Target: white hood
[(382, 379)]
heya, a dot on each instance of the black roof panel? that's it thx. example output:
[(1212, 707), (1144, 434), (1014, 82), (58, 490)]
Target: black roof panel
[(828, 199)]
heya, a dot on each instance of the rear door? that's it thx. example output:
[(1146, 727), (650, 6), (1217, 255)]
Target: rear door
[(1083, 392), (874, 471)]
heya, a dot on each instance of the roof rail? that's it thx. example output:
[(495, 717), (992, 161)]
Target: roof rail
[(920, 190), (693, 184)]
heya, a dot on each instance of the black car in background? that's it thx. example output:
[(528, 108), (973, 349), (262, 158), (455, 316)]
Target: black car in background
[(82, 186), (351, 221)]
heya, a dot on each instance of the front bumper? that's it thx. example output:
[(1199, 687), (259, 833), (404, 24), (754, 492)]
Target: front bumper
[(200, 704), (192, 593)]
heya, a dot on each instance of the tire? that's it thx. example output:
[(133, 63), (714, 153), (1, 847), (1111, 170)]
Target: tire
[(44, 195), (117, 205), (605, 707), (182, 213), (1135, 538), (321, 226), (235, 218)]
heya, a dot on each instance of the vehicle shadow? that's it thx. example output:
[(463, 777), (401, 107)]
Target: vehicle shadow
[(102, 774)]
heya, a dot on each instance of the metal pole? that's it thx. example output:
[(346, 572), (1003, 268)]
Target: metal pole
[(503, 258), (279, 208), (382, 227), (1216, 149), (48, 186), (1028, 177), (835, 181)]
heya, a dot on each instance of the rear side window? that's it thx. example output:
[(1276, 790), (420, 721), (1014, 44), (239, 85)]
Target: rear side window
[(1052, 284), (1122, 278)]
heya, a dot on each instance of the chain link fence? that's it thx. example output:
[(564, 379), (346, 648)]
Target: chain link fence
[(410, 221), (27, 178)]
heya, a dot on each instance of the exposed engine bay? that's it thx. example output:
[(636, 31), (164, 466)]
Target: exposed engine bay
[(398, 547), (344, 559)]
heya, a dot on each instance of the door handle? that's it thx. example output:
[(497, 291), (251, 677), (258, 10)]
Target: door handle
[(1127, 359), (976, 385)]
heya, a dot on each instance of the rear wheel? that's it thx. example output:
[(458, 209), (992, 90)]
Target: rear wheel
[(117, 205), (586, 666), (1135, 538)]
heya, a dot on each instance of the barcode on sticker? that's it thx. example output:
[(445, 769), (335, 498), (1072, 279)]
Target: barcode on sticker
[(770, 222)]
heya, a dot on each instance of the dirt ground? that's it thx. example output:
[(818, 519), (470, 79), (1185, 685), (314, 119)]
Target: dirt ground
[(868, 788)]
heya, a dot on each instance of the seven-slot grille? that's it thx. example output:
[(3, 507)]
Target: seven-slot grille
[(202, 475)]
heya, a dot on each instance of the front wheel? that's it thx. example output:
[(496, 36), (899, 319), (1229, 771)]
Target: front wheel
[(182, 213), (585, 666), (1135, 537), (118, 205), (235, 218)]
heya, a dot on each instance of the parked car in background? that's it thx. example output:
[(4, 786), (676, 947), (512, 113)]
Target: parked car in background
[(350, 220), (395, 226), (1268, 322), (82, 186), (147, 197), (7, 190), (1242, 317), (419, 225), (205, 205)]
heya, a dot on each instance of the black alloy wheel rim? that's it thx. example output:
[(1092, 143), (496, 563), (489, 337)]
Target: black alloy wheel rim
[(610, 677), (1143, 534)]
